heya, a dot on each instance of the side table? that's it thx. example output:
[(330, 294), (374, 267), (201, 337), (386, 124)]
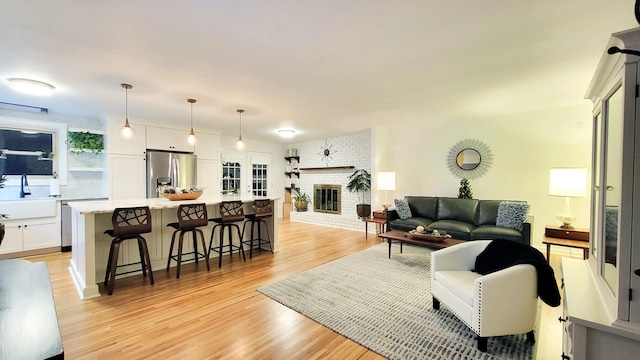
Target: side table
[(572, 238), (381, 225)]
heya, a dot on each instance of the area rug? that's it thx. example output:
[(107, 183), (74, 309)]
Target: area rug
[(385, 305)]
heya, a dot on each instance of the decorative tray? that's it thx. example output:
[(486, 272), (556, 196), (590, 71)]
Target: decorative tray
[(183, 196), (413, 234)]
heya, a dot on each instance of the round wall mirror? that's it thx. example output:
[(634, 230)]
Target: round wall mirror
[(469, 158)]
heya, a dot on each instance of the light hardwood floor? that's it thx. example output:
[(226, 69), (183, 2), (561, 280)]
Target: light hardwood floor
[(219, 314)]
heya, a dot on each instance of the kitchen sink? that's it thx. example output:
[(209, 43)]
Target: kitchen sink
[(29, 208)]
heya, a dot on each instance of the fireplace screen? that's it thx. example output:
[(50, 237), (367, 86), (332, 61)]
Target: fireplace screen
[(326, 198)]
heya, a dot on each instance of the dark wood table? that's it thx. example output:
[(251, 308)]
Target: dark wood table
[(403, 237), (382, 223), (577, 244)]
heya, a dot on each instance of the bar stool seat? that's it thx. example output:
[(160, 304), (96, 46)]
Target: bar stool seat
[(262, 210), (231, 212), (128, 224), (190, 218)]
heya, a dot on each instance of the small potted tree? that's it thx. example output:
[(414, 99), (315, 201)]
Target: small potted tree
[(300, 200), (360, 183)]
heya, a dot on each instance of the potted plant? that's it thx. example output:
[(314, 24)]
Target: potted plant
[(300, 200), (360, 183), (80, 141)]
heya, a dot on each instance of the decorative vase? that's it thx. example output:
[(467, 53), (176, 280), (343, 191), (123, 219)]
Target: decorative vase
[(301, 205)]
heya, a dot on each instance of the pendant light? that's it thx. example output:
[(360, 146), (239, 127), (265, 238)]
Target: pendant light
[(126, 132), (191, 139), (240, 143)]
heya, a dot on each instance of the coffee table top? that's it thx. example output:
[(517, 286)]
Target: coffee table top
[(403, 236)]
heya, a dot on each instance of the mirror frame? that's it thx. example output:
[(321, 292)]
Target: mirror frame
[(486, 158)]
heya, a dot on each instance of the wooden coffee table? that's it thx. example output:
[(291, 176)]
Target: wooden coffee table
[(403, 237)]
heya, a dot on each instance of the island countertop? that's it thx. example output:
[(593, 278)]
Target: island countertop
[(107, 206)]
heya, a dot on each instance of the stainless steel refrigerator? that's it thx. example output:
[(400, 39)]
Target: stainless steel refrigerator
[(169, 169)]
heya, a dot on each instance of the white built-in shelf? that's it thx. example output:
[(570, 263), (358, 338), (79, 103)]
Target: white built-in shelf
[(84, 168)]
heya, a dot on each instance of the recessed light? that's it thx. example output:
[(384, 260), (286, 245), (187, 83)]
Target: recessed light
[(31, 87), (286, 133)]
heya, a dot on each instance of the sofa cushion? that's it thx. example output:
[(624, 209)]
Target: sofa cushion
[(494, 232), (402, 208), (457, 209), (410, 223), (457, 229), (487, 212), (460, 283), (512, 214), (423, 206)]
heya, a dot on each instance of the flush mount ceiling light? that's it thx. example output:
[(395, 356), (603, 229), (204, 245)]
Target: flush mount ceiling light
[(31, 87), (240, 143), (191, 139), (286, 133), (126, 132)]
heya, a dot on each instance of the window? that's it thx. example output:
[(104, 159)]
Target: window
[(231, 178), (26, 152), (259, 180)]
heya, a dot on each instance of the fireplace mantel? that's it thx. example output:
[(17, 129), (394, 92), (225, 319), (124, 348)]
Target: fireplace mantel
[(329, 168)]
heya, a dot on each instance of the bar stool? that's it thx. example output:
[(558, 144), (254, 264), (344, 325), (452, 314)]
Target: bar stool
[(230, 213), (128, 224), (190, 218), (262, 209)]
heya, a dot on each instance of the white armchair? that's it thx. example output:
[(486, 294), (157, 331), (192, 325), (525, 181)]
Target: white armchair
[(501, 303)]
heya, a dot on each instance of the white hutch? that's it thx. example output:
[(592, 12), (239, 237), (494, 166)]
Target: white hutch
[(602, 294)]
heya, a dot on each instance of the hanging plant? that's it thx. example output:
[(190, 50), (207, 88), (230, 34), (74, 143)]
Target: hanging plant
[(79, 142)]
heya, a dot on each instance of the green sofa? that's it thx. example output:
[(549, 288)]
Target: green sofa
[(464, 219)]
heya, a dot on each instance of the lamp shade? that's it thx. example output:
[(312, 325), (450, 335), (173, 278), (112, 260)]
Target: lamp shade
[(568, 182), (387, 180)]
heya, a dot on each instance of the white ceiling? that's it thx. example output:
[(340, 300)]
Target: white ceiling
[(323, 68)]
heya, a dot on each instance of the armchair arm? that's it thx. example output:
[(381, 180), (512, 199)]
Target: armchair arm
[(458, 257), (512, 294)]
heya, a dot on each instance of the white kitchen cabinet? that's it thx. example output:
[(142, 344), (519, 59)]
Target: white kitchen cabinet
[(168, 139), (25, 235), (135, 146), (208, 176), (208, 146), (127, 177)]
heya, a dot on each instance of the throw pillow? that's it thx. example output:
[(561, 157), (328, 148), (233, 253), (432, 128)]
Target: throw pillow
[(402, 208), (512, 214)]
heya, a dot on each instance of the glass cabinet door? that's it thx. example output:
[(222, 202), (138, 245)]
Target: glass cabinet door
[(611, 186), (595, 188)]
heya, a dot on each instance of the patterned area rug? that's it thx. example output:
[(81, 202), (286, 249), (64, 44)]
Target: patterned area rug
[(385, 305)]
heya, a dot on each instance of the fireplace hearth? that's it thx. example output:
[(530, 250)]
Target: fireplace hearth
[(327, 198)]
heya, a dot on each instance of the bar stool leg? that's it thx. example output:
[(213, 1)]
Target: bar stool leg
[(220, 246), (195, 245), (114, 266), (173, 239), (142, 257), (145, 248), (109, 260), (180, 253), (204, 249), (244, 257)]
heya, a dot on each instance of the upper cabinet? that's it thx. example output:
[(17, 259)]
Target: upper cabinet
[(168, 139), (207, 146), (134, 146)]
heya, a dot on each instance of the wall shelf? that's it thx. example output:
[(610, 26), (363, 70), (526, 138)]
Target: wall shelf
[(329, 168), (289, 158), (296, 173)]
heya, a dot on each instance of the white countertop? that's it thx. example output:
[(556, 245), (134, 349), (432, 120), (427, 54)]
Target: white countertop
[(107, 206)]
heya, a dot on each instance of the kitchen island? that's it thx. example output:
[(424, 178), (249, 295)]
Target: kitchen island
[(90, 246)]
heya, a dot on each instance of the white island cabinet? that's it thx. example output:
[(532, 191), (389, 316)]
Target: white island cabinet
[(91, 246)]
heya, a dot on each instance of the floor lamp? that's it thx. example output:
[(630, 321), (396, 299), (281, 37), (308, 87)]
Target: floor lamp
[(386, 182), (567, 182)]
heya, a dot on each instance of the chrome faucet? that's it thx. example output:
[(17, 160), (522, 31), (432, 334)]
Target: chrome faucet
[(24, 183)]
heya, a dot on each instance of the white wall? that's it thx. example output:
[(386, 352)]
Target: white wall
[(524, 147)]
